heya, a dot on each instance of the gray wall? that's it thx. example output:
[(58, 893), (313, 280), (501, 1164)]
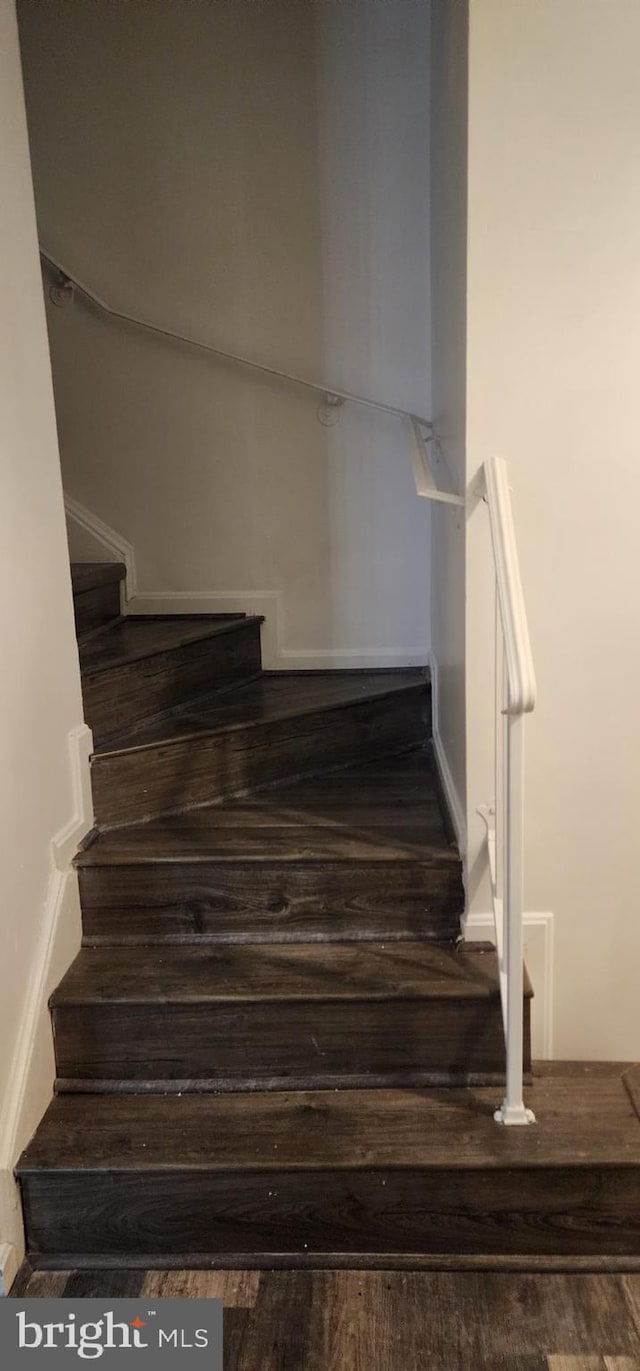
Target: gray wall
[(256, 175)]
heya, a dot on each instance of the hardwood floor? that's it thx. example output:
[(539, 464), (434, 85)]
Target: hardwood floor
[(388, 1320)]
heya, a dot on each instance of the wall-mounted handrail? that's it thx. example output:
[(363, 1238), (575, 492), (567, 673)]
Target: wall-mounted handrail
[(421, 430), (515, 696), (328, 391)]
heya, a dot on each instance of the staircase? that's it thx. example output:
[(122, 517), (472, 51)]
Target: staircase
[(273, 1047)]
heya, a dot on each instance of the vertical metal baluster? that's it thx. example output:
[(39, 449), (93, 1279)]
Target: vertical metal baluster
[(499, 781), (513, 1109)]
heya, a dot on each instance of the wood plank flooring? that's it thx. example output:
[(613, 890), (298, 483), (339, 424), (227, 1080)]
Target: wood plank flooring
[(387, 1320)]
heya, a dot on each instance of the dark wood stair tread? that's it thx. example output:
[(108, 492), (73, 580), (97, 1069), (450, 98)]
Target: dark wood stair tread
[(385, 810), (247, 1179), (264, 840), (377, 812), (263, 974), (585, 1118), (86, 576), (361, 854), (270, 699), (136, 637)]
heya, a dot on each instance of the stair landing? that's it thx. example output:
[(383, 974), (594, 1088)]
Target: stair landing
[(324, 1179)]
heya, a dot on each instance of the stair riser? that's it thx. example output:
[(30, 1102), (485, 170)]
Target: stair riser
[(270, 902), (120, 697), (594, 1211), (302, 1045), (95, 608), (163, 779)]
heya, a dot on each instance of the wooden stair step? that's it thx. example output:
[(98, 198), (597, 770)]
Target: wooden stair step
[(142, 667), (138, 637), (87, 576), (280, 726), (307, 1178), (275, 696), (96, 595), (298, 1015), (250, 831), (361, 854), (274, 975)]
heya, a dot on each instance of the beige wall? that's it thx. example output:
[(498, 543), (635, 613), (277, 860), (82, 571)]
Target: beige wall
[(449, 42), (39, 684), (256, 175), (553, 349)]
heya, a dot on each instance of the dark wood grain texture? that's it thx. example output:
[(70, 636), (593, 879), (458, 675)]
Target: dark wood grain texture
[(297, 729), (237, 1289), (96, 595), (273, 902), (261, 1047), (335, 1320), (249, 1017), (631, 1079), (116, 1284), (274, 697), (144, 667), (530, 1263), (96, 610), (355, 1320), (87, 576), (359, 1172), (361, 854), (314, 1213), (41, 1284), (137, 637)]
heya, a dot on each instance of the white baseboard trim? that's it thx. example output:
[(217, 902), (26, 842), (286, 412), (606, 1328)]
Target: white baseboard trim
[(539, 958), (275, 657), (270, 603), (65, 842), (450, 790), (454, 803), (117, 547), (32, 1072), (350, 659), (9, 1266)]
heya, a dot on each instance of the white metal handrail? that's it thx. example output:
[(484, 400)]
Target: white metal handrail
[(517, 646), (515, 688), (421, 431)]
